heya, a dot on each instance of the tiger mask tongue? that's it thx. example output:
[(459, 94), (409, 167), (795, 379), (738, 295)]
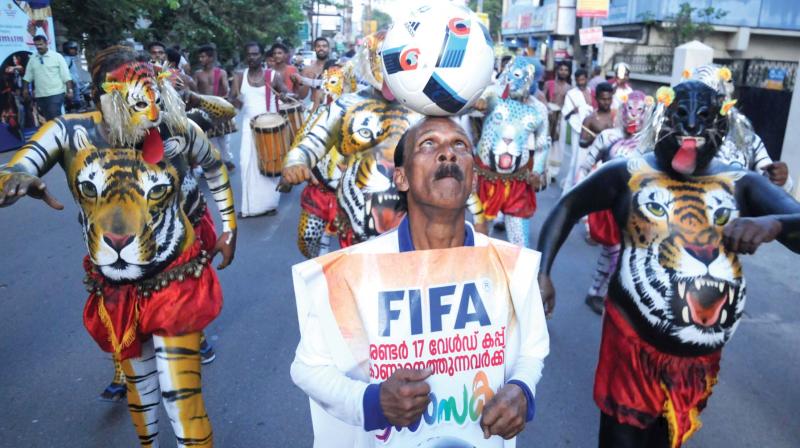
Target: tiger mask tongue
[(685, 160), (153, 147)]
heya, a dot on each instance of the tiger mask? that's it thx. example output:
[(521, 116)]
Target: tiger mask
[(516, 78), (674, 266), (507, 137), (367, 193), (130, 212), (693, 129)]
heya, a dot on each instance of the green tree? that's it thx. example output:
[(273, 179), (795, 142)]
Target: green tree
[(688, 24), (228, 24), (494, 8), (98, 25), (383, 19)]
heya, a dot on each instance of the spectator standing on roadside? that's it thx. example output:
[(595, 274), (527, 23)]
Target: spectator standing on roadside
[(52, 82)]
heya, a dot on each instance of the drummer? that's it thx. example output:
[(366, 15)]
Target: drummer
[(256, 91), (213, 80)]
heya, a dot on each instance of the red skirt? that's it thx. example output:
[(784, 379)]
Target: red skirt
[(603, 228), (512, 197), (636, 383), (120, 318), (205, 232)]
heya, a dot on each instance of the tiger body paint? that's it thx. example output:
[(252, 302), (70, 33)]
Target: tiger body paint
[(513, 148), (679, 290), (364, 129), (151, 287), (318, 204)]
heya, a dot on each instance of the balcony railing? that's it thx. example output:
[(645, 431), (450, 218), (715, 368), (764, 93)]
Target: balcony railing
[(756, 72), (650, 60)]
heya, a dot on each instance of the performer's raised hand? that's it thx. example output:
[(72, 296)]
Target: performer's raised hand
[(17, 185), (548, 294), (778, 173), (226, 244), (744, 235), (505, 413), (404, 396), (295, 174), (535, 180)]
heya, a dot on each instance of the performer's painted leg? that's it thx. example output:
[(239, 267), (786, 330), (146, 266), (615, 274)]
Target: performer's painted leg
[(115, 391), (518, 230), (606, 265), (141, 375), (310, 231), (178, 360), (614, 434)]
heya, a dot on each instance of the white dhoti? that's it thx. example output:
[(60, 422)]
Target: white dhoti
[(259, 194), (576, 106)]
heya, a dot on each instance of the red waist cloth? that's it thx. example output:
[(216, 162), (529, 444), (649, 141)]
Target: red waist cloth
[(603, 228), (321, 202), (512, 197), (205, 232), (120, 318), (636, 384)]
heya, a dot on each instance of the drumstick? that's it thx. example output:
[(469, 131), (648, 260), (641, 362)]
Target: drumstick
[(284, 187), (278, 95)]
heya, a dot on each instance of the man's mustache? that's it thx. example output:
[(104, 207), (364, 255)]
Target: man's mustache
[(449, 170)]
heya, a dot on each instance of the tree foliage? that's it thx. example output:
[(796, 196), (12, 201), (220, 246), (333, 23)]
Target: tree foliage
[(383, 19), (494, 8), (189, 23), (689, 23)]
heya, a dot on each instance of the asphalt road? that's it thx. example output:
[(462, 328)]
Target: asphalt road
[(51, 371)]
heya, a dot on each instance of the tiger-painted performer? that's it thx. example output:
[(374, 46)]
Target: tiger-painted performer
[(151, 288), (679, 291), (208, 112), (742, 146), (615, 143), (318, 203), (511, 155), (365, 127)]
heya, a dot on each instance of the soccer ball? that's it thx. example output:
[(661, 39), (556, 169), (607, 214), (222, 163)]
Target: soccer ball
[(438, 60)]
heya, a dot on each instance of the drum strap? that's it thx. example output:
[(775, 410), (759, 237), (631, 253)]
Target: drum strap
[(268, 86), (217, 75)]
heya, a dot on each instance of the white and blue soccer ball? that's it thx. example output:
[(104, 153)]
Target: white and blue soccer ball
[(439, 59)]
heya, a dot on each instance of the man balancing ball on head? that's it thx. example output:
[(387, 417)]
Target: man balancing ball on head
[(679, 290), (434, 173)]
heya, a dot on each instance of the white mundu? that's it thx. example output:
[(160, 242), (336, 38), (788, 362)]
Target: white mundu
[(259, 194)]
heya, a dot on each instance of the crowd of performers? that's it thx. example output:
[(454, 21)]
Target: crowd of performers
[(674, 188)]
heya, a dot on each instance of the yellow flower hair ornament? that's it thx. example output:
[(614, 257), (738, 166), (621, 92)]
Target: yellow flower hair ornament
[(665, 95), (726, 107), (111, 86), (725, 74), (686, 74)]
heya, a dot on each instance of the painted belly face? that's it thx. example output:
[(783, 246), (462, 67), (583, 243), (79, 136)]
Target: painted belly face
[(674, 267), (131, 211)]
